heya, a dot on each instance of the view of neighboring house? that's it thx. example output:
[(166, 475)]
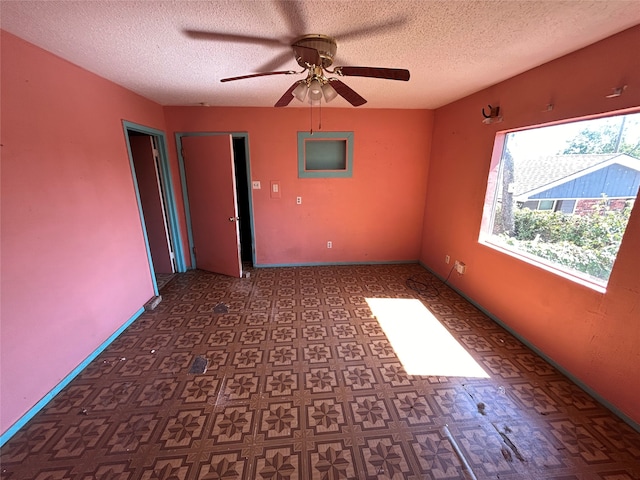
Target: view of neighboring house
[(575, 183)]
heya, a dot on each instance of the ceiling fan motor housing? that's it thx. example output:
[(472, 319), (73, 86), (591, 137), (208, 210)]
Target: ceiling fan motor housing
[(325, 45)]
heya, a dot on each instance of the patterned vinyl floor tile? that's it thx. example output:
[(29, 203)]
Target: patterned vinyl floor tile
[(304, 381)]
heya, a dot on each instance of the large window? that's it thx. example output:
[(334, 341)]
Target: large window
[(560, 196)]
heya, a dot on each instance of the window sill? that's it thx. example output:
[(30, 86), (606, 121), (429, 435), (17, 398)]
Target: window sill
[(536, 262)]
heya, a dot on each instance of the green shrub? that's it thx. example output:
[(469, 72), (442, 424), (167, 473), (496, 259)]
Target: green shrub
[(603, 228), (597, 263), (586, 243)]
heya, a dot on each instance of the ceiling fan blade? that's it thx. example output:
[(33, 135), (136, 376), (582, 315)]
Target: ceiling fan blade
[(287, 97), (275, 63), (347, 93), (372, 29), (310, 56), (374, 72), (253, 75), (292, 15), (230, 37)]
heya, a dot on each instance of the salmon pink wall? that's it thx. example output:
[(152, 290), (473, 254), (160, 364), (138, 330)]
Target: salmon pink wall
[(74, 264), (375, 216), (593, 336)]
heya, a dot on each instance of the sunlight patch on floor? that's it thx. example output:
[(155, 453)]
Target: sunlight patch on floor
[(422, 343)]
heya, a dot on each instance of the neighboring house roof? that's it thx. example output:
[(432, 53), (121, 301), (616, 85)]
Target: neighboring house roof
[(576, 176)]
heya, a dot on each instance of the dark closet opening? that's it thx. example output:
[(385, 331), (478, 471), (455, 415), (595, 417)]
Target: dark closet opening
[(242, 193), (151, 190)]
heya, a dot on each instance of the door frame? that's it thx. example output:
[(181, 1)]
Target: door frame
[(168, 196), (183, 179)]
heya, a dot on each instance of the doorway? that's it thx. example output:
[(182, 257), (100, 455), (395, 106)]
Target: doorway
[(242, 192), (243, 180), (152, 182)]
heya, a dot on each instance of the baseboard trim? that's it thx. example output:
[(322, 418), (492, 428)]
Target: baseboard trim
[(11, 431), (579, 383), (334, 264)]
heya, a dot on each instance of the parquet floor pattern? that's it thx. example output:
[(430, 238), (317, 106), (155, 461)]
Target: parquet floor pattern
[(302, 383)]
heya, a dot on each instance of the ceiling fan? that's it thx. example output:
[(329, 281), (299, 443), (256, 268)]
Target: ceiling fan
[(315, 53)]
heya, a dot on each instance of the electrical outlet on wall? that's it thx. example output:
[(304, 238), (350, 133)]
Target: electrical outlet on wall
[(461, 268), (329, 244)]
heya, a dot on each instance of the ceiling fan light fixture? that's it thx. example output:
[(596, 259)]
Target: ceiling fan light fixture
[(315, 90), (329, 92), (300, 92), (315, 53)]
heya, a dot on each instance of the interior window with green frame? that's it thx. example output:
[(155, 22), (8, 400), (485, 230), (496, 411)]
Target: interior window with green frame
[(325, 154)]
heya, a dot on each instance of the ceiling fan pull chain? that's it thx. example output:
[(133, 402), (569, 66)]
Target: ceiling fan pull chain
[(311, 120), (320, 110)]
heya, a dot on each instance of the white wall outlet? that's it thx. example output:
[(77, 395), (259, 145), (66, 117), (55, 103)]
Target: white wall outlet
[(461, 268), (329, 244), (256, 184), (447, 259), (299, 200)]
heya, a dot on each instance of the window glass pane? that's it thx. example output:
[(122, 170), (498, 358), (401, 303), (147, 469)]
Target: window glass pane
[(325, 155), (546, 205), (564, 194), (566, 206)]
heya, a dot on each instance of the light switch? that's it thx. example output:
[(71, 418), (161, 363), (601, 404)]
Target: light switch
[(256, 184), (275, 189)]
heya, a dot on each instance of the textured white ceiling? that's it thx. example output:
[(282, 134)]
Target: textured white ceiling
[(452, 47)]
